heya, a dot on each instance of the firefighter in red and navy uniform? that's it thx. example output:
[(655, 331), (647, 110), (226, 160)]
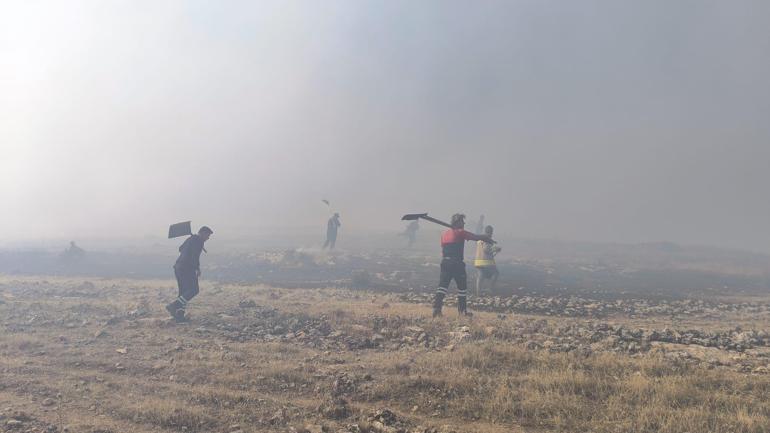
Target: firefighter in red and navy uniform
[(453, 265)]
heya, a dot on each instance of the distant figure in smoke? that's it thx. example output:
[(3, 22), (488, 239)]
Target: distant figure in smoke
[(485, 262), (73, 253), (480, 224), (453, 266), (187, 270), (331, 231), (411, 232)]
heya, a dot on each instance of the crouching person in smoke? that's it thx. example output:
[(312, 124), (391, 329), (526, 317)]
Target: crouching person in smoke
[(187, 270), (453, 265)]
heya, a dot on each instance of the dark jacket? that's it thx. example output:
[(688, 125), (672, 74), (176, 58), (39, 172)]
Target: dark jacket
[(190, 254), (332, 225)]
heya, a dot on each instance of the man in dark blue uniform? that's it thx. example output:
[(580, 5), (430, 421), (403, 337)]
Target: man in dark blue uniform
[(187, 270)]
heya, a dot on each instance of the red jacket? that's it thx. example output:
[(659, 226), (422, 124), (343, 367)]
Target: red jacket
[(453, 243)]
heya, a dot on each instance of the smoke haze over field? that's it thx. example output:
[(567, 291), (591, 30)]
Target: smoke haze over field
[(593, 120)]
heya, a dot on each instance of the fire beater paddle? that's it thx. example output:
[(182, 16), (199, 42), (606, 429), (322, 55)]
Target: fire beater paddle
[(414, 216), (181, 229)]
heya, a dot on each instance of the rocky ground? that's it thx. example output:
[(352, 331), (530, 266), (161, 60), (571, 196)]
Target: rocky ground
[(100, 355)]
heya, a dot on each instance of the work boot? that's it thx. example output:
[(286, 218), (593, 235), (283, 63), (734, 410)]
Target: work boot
[(173, 307), (462, 306), (179, 316), (438, 303)]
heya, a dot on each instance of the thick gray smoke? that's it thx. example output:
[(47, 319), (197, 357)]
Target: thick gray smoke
[(594, 120)]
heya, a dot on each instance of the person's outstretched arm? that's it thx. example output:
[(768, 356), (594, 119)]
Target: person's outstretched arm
[(474, 237)]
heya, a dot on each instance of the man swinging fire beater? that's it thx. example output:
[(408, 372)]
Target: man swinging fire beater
[(453, 266), (187, 270)]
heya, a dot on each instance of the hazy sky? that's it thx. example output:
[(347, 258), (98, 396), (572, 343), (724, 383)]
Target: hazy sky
[(593, 120)]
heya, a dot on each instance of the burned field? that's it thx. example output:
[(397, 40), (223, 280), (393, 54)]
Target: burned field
[(100, 355)]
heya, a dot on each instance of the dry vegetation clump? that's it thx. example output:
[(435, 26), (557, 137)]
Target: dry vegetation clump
[(162, 413), (568, 392)]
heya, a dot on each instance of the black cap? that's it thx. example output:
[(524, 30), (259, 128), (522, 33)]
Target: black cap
[(458, 219), (206, 229)]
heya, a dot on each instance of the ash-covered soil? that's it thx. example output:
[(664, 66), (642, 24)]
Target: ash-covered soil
[(607, 273)]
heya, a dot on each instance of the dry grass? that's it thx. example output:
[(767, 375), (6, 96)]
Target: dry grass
[(564, 392), (175, 377)]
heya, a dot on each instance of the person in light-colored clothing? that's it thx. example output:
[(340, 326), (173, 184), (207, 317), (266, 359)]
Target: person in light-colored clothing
[(485, 262)]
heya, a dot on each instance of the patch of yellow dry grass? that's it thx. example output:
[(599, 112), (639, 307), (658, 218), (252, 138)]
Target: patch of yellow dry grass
[(565, 392)]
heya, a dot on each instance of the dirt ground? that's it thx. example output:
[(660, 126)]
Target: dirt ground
[(101, 355)]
